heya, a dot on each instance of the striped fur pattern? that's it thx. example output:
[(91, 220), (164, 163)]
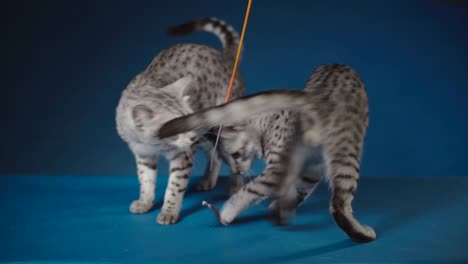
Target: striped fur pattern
[(180, 80), (226, 33), (324, 138)]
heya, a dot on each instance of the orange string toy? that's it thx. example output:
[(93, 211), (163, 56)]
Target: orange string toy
[(234, 72), (228, 96), (239, 48)]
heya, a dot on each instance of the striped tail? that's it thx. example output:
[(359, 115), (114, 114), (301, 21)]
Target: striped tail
[(226, 33), (236, 111)]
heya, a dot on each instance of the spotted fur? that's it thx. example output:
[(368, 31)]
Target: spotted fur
[(324, 138), (180, 80)]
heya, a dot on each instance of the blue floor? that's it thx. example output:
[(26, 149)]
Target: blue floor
[(86, 219)]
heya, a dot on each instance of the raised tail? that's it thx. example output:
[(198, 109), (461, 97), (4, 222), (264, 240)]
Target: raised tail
[(226, 33), (236, 111)]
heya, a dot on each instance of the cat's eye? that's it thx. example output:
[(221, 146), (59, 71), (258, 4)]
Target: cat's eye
[(235, 155)]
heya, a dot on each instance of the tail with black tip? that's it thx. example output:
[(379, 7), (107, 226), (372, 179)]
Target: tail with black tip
[(236, 111), (226, 33)]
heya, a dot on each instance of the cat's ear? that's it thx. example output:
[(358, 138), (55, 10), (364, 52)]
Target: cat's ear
[(141, 114), (179, 86)]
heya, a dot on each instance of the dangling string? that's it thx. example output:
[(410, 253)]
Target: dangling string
[(233, 76)]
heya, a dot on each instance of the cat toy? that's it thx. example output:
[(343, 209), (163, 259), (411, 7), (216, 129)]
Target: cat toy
[(228, 97), (214, 210)]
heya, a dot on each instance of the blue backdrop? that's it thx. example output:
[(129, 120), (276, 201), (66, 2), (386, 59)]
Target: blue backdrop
[(67, 63)]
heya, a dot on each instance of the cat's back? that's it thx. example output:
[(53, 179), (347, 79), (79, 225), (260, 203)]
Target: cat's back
[(211, 68), (276, 123), (337, 87), (186, 55)]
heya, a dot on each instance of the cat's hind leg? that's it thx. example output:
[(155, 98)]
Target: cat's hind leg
[(314, 170)]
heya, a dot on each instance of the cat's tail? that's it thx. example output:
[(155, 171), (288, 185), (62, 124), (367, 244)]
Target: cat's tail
[(226, 33), (236, 111)]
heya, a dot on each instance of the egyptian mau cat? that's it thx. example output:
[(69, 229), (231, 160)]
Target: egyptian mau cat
[(324, 138), (180, 80)]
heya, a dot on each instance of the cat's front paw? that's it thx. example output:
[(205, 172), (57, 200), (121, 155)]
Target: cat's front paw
[(140, 207), (167, 218), (227, 215), (205, 185)]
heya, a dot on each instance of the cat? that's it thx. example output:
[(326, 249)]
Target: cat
[(302, 136), (180, 80)]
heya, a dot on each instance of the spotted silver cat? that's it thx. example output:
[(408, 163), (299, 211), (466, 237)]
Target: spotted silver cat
[(180, 80), (324, 138)]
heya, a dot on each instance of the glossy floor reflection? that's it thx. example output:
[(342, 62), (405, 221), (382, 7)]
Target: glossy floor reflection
[(86, 219)]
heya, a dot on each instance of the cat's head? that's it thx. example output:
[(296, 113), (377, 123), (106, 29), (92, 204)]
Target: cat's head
[(157, 106), (239, 146)]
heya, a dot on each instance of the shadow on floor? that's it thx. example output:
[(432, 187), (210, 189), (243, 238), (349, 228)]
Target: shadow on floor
[(401, 203), (312, 252)]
